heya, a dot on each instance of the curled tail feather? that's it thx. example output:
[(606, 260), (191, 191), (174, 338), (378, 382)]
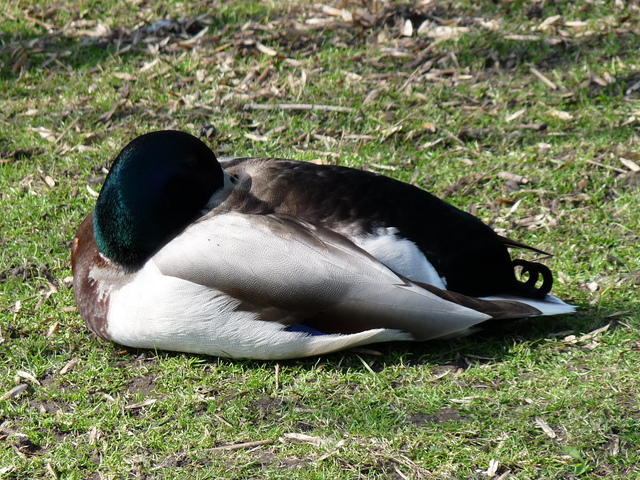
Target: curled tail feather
[(534, 270)]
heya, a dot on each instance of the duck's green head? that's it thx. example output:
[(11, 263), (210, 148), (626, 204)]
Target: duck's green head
[(158, 184)]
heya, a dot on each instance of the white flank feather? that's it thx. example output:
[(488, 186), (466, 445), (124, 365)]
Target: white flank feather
[(400, 255)]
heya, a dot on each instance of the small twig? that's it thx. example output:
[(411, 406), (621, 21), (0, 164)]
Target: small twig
[(453, 137), (332, 452), (105, 117), (422, 68), (239, 446), (523, 38), (439, 20), (297, 106), (144, 403), (462, 144), (544, 79), (9, 16), (222, 420), (73, 363), (66, 130), (598, 164), (51, 471), (39, 22), (400, 474), (383, 167)]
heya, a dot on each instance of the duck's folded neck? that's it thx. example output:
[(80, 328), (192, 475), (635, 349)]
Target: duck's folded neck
[(157, 186)]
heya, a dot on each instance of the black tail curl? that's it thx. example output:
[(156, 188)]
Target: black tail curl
[(534, 270)]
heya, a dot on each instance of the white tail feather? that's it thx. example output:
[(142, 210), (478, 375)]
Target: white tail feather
[(550, 305)]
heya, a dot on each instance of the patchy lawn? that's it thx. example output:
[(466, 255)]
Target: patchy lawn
[(525, 113)]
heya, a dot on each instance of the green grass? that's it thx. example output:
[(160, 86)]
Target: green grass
[(447, 409)]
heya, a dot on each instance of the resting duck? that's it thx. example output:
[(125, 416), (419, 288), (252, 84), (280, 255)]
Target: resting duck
[(273, 259)]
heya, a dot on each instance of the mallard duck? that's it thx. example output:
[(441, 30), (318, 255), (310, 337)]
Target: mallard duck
[(272, 259)]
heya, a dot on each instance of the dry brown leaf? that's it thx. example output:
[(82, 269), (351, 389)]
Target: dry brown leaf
[(630, 164), (302, 438), (337, 12), (100, 30), (582, 183), (149, 401), (27, 376), (513, 177), (124, 76), (92, 192), (575, 24), (543, 148), (69, 366), (94, 435), (256, 138), (14, 392), (493, 468), (430, 127), (49, 181), (566, 116), (425, 27), (600, 81), (432, 143), (447, 33), (536, 222), (407, 28), (387, 132), (54, 327), (45, 133), (522, 38), (548, 431), (589, 337), (493, 24), (628, 121), (547, 22), (359, 137), (266, 50), (149, 65), (632, 88), (326, 139)]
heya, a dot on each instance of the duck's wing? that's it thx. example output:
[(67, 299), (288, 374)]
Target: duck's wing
[(466, 253), (292, 272)]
